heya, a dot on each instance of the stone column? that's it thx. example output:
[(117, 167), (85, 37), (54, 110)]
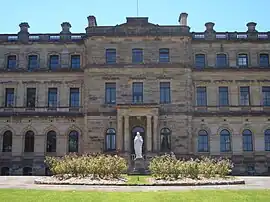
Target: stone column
[(149, 134), (119, 133), (155, 134), (127, 136)]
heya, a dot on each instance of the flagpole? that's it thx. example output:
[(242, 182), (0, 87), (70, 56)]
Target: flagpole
[(137, 8)]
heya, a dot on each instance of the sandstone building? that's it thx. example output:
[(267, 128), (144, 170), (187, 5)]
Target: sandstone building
[(192, 93)]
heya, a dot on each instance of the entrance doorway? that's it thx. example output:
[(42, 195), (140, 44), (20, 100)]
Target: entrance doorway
[(133, 134)]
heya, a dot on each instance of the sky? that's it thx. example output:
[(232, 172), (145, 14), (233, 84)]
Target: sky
[(46, 16)]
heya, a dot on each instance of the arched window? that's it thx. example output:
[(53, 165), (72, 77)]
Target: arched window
[(202, 141), (51, 141), (110, 139), (27, 171), (4, 171), (267, 140), (73, 141), (165, 140), (247, 140), (29, 141), (7, 141), (225, 141)]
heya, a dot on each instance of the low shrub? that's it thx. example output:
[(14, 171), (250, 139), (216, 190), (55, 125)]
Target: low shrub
[(167, 167), (96, 166)]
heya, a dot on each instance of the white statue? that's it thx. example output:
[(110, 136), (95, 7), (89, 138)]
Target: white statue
[(138, 142)]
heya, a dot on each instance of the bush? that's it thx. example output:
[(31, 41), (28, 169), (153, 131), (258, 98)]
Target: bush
[(167, 167), (96, 166)]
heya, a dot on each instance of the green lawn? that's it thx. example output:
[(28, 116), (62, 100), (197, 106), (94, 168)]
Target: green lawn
[(140, 179), (7, 195)]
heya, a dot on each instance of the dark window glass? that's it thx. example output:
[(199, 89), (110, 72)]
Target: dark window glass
[(75, 61), (31, 97), (27, 171), (29, 141), (51, 141), (267, 140), (202, 141), (73, 141), (11, 62), (5, 171), (52, 97), (137, 91), (110, 140), (223, 96), (32, 62), (7, 141), (165, 140), (200, 61), (266, 95), (242, 60), (247, 140), (221, 61), (110, 56), (225, 141), (137, 55), (110, 93), (264, 60), (54, 62), (244, 96), (74, 97), (164, 55), (201, 96), (9, 99), (165, 92)]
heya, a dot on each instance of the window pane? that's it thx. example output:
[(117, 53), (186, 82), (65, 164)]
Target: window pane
[(201, 96), (110, 139), (31, 97), (164, 55), (264, 60), (247, 141), (223, 96), (75, 61), (266, 95), (51, 141), (9, 99), (12, 62), (200, 61), (74, 97), (29, 141), (7, 142), (225, 141), (110, 93), (244, 96), (54, 62), (73, 141), (137, 56), (221, 60), (165, 92), (52, 97), (267, 140), (203, 141), (32, 62), (111, 56), (137, 89), (242, 60)]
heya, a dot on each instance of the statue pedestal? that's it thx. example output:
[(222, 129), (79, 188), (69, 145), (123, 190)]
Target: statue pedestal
[(139, 167)]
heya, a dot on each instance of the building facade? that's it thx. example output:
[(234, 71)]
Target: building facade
[(192, 93)]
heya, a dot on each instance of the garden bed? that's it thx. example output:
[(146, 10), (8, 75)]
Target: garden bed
[(142, 181)]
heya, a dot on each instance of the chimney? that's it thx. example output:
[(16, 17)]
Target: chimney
[(209, 27), (183, 19), (23, 34), (251, 27), (92, 22), (65, 28)]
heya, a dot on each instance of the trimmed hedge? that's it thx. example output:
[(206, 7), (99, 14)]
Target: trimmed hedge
[(167, 167), (96, 166)]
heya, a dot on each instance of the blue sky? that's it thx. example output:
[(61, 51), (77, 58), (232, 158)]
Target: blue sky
[(228, 15)]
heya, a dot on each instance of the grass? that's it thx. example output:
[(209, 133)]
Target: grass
[(13, 195), (139, 179)]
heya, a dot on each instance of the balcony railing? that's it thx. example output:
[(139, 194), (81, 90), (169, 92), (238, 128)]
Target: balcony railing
[(41, 111), (232, 110)]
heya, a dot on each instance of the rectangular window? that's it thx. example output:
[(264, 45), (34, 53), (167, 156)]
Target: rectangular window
[(11, 62), (52, 97), (164, 55), (9, 99), (75, 61), (31, 97), (137, 56), (244, 96), (243, 60), (165, 92), (221, 61), (110, 56), (54, 62), (266, 95), (201, 96), (32, 62), (223, 96), (110, 93), (137, 91), (264, 60), (200, 61), (74, 97)]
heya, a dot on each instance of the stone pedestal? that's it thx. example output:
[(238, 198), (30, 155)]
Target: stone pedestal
[(139, 166)]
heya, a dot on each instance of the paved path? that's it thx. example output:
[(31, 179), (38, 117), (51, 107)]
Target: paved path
[(27, 182)]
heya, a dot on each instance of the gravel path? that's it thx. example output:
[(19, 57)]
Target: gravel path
[(27, 182)]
